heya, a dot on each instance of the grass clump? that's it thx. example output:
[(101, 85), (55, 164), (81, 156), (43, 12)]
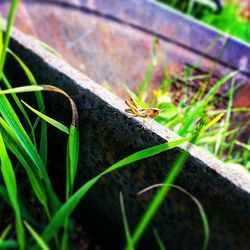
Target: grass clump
[(182, 111)]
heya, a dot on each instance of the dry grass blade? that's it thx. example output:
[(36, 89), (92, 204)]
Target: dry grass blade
[(37, 88), (197, 203)]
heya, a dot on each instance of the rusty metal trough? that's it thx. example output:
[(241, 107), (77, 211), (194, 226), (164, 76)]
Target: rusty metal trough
[(117, 38)]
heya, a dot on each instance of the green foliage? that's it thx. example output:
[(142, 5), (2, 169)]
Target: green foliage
[(184, 115), (11, 186), (36, 236), (14, 142), (230, 20)]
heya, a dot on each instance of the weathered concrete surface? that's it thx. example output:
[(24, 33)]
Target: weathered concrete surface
[(108, 134)]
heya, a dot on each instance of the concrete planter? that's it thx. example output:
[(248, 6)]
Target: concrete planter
[(109, 134)]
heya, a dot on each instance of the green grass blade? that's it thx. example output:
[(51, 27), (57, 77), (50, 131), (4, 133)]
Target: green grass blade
[(212, 122), (36, 237), (190, 7), (65, 239), (11, 118), (13, 145), (22, 89), (71, 165), (43, 137), (159, 240), (246, 157), (73, 151), (48, 119), (125, 224), (244, 145), (67, 208), (27, 71), (73, 143), (201, 106), (24, 140), (4, 234), (3, 193), (10, 22), (142, 87), (10, 182), (52, 88), (20, 106), (141, 94), (226, 126), (145, 153), (49, 48)]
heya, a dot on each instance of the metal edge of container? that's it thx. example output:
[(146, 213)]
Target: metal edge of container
[(168, 24)]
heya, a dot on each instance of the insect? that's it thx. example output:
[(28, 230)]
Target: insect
[(135, 109)]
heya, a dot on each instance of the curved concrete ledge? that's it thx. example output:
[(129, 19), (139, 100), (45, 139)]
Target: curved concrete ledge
[(108, 134), (166, 23)]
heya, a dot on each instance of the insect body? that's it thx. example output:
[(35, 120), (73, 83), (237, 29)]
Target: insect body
[(135, 109)]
